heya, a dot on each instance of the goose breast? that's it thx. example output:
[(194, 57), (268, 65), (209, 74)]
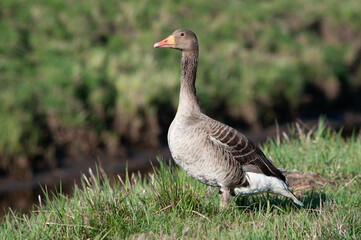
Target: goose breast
[(193, 149)]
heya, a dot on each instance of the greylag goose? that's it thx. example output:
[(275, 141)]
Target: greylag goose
[(210, 151)]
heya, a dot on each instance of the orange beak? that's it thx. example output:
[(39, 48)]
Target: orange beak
[(166, 43)]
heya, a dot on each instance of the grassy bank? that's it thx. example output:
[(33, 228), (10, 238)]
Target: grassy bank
[(169, 204), (79, 76)]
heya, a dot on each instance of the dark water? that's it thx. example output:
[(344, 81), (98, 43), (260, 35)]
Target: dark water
[(20, 196)]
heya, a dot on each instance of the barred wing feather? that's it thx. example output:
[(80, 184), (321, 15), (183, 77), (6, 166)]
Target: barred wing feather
[(241, 149)]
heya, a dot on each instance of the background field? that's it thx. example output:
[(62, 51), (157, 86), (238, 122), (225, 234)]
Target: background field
[(79, 76)]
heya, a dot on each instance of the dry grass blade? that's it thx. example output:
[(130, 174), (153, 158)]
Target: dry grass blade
[(357, 177), (278, 138), (165, 208), (201, 215)]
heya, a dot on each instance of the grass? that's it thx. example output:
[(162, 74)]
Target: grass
[(169, 204)]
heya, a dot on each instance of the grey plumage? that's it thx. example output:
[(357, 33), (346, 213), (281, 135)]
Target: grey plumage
[(212, 152)]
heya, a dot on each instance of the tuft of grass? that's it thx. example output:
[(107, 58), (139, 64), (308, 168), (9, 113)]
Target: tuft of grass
[(169, 204)]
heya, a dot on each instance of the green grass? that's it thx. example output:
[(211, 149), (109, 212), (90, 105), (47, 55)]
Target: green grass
[(169, 204)]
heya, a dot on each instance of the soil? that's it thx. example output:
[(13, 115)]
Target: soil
[(301, 182)]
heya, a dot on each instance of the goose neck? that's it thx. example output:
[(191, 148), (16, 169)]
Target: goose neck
[(188, 100)]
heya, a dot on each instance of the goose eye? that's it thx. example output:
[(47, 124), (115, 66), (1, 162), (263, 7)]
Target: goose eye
[(182, 34)]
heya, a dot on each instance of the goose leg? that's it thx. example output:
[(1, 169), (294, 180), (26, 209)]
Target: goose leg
[(224, 194)]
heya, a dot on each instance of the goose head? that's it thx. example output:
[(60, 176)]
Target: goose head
[(181, 39)]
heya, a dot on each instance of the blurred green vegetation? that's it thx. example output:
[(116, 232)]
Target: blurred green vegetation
[(83, 75)]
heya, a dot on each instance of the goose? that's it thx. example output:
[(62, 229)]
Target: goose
[(212, 152)]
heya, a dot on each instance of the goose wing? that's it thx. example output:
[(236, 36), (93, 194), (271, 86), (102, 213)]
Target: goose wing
[(241, 149)]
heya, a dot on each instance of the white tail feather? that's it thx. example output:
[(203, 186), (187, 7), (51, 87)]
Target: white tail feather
[(259, 183)]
